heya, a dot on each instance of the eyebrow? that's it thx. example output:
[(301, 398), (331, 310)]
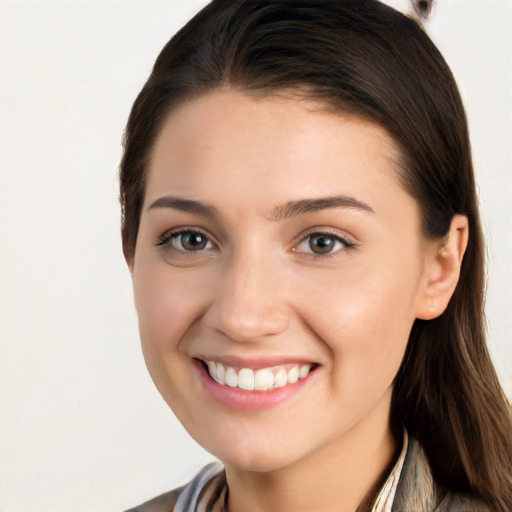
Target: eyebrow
[(303, 206), (281, 212), (185, 205)]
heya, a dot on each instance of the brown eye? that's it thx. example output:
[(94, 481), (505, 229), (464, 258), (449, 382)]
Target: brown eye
[(322, 243), (190, 241), (319, 244)]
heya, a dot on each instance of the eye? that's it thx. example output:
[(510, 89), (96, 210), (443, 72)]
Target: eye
[(321, 244), (188, 240)]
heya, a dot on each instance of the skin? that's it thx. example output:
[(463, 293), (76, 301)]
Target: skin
[(258, 289)]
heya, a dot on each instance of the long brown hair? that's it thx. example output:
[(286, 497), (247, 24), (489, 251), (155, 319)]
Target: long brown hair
[(362, 58)]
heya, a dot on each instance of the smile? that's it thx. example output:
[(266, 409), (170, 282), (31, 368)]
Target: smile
[(262, 379)]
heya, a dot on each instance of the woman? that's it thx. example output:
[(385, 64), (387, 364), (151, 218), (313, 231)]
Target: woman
[(301, 225)]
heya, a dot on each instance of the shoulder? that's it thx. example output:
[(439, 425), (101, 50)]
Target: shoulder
[(163, 503), (210, 480)]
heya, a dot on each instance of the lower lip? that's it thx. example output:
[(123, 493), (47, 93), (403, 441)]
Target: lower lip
[(237, 398)]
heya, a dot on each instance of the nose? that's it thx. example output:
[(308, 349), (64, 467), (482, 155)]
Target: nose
[(249, 302)]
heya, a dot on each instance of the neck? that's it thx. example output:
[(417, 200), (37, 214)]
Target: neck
[(343, 476)]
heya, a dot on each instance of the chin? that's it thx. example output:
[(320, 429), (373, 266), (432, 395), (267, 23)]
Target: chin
[(253, 453), (256, 462)]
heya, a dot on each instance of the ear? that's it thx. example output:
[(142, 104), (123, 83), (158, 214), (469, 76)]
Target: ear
[(442, 269)]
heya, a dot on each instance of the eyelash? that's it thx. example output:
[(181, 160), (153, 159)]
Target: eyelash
[(169, 236)]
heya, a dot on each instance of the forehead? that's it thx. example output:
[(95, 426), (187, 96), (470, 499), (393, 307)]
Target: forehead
[(268, 150)]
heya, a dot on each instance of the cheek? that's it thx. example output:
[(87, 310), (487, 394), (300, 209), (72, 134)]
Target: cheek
[(365, 319), (166, 309), (167, 303)]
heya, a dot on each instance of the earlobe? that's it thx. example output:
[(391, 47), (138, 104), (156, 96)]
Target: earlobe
[(443, 270)]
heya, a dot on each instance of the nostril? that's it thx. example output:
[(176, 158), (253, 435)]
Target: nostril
[(423, 8)]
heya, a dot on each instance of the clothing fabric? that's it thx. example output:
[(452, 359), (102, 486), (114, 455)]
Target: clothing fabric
[(409, 487)]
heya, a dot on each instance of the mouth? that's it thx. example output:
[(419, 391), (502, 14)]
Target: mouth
[(260, 379)]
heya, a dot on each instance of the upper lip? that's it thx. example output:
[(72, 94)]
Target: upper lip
[(255, 362)]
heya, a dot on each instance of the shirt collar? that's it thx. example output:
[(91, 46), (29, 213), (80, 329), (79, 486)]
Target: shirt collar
[(386, 496)]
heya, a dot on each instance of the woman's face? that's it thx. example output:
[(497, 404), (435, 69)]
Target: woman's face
[(275, 244)]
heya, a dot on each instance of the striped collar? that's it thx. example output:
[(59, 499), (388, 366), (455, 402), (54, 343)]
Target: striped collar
[(386, 496)]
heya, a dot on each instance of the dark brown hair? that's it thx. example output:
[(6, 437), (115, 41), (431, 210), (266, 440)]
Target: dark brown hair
[(360, 57)]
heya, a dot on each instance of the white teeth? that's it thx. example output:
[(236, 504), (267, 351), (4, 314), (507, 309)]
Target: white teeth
[(304, 370), (246, 379), (280, 378), (212, 367), (262, 379), (220, 373), (293, 375), (231, 378)]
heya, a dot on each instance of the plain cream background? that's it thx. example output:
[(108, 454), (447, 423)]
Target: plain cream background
[(81, 426)]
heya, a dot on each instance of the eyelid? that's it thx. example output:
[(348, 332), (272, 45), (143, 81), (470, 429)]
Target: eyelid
[(329, 231)]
